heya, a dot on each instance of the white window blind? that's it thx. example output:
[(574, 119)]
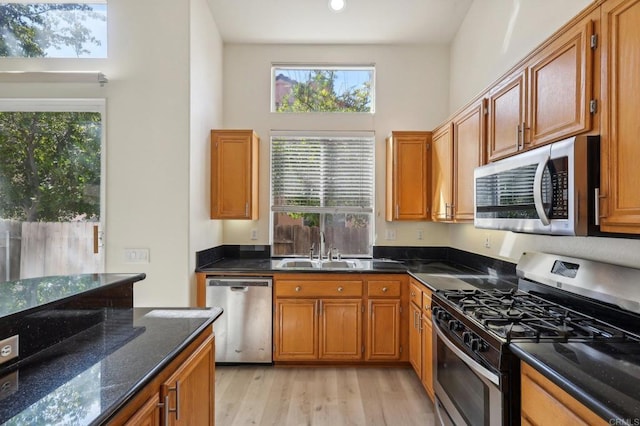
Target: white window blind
[(322, 174)]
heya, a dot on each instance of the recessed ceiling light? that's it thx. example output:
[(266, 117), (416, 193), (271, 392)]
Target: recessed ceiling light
[(337, 5)]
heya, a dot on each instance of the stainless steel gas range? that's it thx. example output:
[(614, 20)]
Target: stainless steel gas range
[(558, 299)]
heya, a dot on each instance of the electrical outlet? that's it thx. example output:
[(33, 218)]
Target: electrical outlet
[(390, 234), (487, 241), (9, 349), (254, 234), (420, 234), (8, 384), (136, 255)]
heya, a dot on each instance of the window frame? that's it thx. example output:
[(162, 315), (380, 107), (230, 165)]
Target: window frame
[(371, 214), (98, 105), (323, 66)]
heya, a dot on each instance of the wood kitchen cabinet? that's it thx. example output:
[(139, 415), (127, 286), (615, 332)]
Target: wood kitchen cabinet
[(234, 174), (181, 394), (318, 318), (469, 142), (415, 327), (384, 311), (560, 408), (426, 376), (620, 147), (442, 174), (548, 98), (507, 110), (408, 176)]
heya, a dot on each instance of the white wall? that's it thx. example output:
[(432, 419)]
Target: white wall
[(206, 114), (148, 144), (411, 94), (485, 47)]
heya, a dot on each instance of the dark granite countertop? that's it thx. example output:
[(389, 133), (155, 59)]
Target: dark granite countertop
[(446, 275), (605, 377), (35, 293), (86, 378), (270, 266)]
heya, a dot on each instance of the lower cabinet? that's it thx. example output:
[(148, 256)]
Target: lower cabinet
[(421, 334), (560, 408), (181, 394), (334, 317)]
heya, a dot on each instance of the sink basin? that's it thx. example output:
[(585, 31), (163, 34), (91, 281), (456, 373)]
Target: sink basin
[(317, 264), (298, 263), (341, 264)]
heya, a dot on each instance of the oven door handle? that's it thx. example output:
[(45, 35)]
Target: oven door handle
[(493, 378)]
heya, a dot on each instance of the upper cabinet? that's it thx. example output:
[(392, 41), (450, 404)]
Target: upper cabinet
[(546, 99), (469, 141), (442, 174), (234, 174), (408, 178), (620, 174), (507, 112)]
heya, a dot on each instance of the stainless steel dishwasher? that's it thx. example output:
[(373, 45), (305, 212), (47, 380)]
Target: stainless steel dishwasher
[(244, 331)]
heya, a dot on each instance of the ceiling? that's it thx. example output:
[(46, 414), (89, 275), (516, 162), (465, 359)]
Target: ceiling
[(362, 21)]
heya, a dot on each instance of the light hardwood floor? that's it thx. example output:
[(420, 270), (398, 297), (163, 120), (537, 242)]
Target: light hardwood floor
[(266, 395)]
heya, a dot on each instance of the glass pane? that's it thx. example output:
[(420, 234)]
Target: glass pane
[(50, 177), (295, 233), (323, 89), (53, 30)]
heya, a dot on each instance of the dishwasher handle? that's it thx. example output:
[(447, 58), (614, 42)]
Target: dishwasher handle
[(238, 282)]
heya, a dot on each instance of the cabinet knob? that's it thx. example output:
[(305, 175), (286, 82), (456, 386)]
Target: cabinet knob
[(384, 289), (413, 294), (298, 288), (340, 289)]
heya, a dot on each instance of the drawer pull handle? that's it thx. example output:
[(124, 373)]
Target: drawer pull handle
[(298, 288), (340, 289), (384, 289)]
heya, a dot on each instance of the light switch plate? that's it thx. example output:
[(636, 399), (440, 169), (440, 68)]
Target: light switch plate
[(136, 255)]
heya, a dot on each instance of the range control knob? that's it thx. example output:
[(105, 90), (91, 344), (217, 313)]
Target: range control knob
[(477, 345), (466, 337), (455, 325), (442, 315)]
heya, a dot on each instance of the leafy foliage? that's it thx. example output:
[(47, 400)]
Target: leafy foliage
[(50, 168), (28, 30), (318, 94)]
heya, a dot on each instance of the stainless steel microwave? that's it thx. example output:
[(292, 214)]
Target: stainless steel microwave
[(548, 190)]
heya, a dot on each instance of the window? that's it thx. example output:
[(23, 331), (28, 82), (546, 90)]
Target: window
[(51, 187), (69, 29), (322, 183), (322, 89)]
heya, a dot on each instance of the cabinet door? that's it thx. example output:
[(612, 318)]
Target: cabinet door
[(507, 112), (442, 174), (234, 171), (468, 153), (296, 329), (560, 408), (415, 339), (560, 86), (407, 183), (147, 415), (383, 337), (189, 391), (341, 329), (620, 174), (427, 355)]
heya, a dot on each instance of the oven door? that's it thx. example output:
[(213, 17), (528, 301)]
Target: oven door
[(466, 392)]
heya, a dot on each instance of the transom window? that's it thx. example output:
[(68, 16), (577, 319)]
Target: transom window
[(53, 29), (322, 183), (316, 88)]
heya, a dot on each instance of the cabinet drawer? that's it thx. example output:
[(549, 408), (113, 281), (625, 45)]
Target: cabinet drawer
[(383, 288), (426, 304), (415, 293), (318, 288)]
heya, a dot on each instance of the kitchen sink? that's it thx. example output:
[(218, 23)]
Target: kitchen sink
[(319, 264)]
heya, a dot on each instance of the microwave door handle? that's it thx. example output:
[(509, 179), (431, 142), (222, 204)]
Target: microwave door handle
[(537, 192)]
